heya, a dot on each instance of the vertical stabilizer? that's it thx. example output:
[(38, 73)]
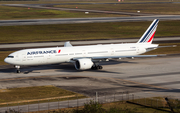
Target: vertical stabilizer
[(148, 36)]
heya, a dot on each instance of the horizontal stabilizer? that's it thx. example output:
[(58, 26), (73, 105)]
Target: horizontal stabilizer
[(167, 46)]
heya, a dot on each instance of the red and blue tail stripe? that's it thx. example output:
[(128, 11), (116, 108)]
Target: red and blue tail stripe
[(148, 36)]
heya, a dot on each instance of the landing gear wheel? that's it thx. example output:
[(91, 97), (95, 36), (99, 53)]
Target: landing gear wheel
[(100, 67), (18, 71), (96, 67)]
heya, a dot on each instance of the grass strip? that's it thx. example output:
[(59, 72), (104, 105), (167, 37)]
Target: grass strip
[(3, 55), (8, 13), (114, 107), (88, 31), (35, 100), (36, 94), (141, 105)]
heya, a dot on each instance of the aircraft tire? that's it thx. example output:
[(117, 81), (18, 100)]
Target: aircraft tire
[(96, 67), (100, 67), (18, 71)]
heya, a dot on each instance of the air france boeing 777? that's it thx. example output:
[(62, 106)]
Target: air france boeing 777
[(85, 57)]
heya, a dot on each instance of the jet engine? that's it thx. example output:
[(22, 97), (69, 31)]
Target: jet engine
[(83, 64)]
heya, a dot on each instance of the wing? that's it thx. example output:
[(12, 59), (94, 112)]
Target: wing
[(119, 57), (116, 57)]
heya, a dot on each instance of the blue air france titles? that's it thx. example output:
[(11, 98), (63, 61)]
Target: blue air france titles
[(42, 52)]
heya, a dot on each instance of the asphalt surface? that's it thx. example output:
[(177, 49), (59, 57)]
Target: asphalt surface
[(86, 20), (147, 77), (126, 75)]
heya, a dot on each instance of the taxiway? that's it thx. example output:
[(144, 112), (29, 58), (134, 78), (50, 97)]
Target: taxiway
[(86, 20), (157, 76)]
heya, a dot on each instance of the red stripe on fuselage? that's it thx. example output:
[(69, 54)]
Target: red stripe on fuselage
[(59, 51)]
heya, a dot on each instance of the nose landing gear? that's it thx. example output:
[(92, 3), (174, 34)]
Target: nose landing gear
[(17, 69)]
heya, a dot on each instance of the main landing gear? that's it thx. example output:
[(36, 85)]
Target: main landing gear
[(96, 67), (17, 69)]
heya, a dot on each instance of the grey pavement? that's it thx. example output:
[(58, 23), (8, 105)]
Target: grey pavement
[(154, 75), (86, 20), (146, 77)]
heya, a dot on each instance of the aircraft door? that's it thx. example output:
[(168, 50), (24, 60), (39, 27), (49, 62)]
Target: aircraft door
[(112, 51), (18, 57), (23, 57), (137, 49), (84, 53), (48, 58)]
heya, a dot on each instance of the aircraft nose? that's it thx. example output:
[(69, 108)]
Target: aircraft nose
[(7, 60)]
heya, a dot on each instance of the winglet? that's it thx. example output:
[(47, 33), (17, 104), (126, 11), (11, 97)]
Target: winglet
[(148, 36), (67, 44)]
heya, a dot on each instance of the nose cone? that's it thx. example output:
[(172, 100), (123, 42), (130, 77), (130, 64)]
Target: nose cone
[(6, 60), (9, 60)]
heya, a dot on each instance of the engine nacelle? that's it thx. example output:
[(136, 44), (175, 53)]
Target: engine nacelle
[(83, 64)]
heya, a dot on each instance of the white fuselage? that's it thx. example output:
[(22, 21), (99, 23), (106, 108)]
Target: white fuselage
[(85, 57), (41, 56)]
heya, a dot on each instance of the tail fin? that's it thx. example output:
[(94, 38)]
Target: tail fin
[(148, 36)]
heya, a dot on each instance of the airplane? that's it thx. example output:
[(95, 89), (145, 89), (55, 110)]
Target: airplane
[(85, 57)]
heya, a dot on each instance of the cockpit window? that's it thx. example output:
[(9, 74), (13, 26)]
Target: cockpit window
[(10, 56)]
